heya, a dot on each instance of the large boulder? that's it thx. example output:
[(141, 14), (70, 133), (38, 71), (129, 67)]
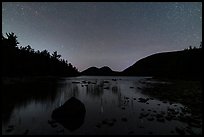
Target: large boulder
[(71, 114)]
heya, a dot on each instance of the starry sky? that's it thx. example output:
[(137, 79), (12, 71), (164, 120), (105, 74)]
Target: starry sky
[(104, 33)]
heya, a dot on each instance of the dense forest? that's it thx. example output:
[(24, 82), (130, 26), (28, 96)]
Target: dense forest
[(25, 61)]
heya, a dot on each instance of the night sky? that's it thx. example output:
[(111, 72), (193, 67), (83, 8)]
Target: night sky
[(104, 34)]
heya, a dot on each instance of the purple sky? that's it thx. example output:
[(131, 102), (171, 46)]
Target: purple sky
[(104, 34)]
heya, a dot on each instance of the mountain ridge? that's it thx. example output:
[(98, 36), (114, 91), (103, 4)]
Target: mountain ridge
[(103, 71), (182, 64)]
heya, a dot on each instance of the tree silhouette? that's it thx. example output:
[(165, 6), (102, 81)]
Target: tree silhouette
[(55, 55), (26, 61), (12, 39)]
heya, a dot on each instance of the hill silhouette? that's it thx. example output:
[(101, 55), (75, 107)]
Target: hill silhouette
[(184, 64), (103, 71), (25, 61)]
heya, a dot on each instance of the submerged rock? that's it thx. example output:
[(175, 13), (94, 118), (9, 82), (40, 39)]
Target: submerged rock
[(180, 131), (71, 114), (26, 132), (106, 88), (143, 100), (10, 128), (124, 119), (75, 82), (150, 118)]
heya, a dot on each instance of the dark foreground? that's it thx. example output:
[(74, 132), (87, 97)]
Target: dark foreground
[(103, 105)]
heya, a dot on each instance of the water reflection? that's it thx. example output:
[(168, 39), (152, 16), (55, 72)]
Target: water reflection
[(113, 106), (21, 94), (94, 90)]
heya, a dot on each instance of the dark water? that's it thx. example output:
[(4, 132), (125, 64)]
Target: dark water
[(112, 107)]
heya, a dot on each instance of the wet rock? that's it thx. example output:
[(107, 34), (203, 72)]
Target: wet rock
[(180, 131), (53, 125), (150, 119), (124, 119), (51, 122), (143, 100), (9, 130), (114, 120), (110, 124), (144, 114), (131, 132), (169, 118), (106, 88), (105, 121), (190, 131), (75, 82), (141, 126), (71, 114), (162, 112), (150, 132), (160, 120), (171, 131), (98, 125), (164, 102), (105, 81), (139, 88), (26, 132), (11, 126), (154, 111), (140, 117), (60, 131), (195, 124)]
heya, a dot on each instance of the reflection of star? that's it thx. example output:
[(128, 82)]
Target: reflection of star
[(36, 12)]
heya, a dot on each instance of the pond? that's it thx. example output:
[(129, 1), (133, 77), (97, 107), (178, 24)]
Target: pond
[(113, 106)]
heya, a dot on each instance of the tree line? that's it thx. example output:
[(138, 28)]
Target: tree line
[(20, 61), (194, 48)]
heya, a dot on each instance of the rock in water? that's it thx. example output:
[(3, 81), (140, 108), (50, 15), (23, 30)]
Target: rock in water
[(71, 114)]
